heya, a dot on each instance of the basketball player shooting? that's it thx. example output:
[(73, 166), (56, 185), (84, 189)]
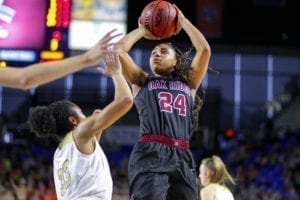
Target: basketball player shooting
[(161, 166)]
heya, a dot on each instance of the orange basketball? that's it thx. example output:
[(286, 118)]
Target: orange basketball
[(160, 18)]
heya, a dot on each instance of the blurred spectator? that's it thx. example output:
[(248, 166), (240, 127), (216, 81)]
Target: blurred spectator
[(266, 168)]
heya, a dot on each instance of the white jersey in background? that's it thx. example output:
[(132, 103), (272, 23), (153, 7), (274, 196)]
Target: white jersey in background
[(217, 192), (81, 176)]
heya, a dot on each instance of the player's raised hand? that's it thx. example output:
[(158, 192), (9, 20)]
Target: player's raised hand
[(180, 17), (112, 63), (95, 54), (148, 35)]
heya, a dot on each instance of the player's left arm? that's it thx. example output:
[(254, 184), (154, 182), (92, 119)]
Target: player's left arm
[(200, 61), (121, 104), (41, 73)]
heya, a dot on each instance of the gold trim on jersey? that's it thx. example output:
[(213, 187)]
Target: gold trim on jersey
[(67, 139)]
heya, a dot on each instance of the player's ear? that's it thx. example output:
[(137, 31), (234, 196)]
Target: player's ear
[(208, 174), (175, 62), (73, 121)]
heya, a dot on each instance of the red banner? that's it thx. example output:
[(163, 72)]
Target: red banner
[(209, 17)]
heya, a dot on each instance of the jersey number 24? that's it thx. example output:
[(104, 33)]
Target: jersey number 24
[(167, 104)]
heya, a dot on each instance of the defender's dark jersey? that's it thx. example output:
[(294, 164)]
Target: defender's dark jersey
[(165, 107)]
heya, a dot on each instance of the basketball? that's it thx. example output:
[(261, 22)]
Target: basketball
[(160, 18)]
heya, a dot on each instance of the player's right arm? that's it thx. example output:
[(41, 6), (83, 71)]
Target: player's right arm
[(132, 72)]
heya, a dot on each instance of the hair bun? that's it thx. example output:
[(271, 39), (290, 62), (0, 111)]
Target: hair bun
[(41, 121)]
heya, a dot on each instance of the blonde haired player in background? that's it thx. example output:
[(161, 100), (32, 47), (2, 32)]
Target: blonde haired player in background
[(41, 73), (213, 174)]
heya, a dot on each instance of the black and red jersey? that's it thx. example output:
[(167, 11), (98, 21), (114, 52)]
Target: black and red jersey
[(165, 107)]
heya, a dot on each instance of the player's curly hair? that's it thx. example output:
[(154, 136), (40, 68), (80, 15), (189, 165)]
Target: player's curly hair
[(52, 120), (182, 69), (198, 103)]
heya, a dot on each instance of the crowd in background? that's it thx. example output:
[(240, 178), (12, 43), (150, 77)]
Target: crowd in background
[(266, 167)]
